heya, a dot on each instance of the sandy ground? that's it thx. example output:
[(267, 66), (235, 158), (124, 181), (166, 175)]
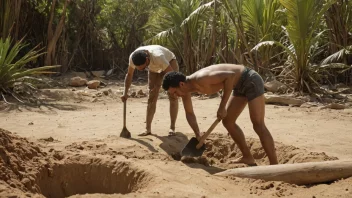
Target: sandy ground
[(74, 149)]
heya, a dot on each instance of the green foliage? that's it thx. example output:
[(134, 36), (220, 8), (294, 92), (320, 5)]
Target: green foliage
[(183, 26), (301, 41), (12, 67), (121, 21), (303, 18)]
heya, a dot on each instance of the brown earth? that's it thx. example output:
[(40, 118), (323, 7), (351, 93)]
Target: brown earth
[(69, 146)]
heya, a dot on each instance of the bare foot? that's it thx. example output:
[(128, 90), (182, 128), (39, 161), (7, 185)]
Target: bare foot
[(145, 133), (241, 160), (172, 132)]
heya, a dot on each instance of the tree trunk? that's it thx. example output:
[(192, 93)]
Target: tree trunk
[(210, 53), (301, 174), (53, 37)]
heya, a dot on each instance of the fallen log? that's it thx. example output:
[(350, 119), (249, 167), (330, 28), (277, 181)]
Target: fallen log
[(300, 174)]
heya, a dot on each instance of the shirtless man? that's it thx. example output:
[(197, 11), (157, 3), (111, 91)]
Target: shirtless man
[(247, 87), (158, 60)]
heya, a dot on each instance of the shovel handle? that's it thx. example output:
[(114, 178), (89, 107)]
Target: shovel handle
[(124, 113), (211, 128)]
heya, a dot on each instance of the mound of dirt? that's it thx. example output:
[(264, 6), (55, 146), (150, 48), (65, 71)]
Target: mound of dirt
[(19, 162), (220, 150)]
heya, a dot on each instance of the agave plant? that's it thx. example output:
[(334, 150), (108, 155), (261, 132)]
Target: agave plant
[(12, 67), (303, 18)]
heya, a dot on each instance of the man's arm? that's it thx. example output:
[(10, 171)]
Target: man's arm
[(190, 116), (128, 81), (227, 79), (228, 87)]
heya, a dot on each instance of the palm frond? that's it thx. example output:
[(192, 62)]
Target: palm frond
[(12, 67), (196, 14), (271, 43), (335, 66), (335, 57)]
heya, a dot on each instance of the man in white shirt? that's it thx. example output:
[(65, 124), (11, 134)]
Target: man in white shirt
[(158, 61)]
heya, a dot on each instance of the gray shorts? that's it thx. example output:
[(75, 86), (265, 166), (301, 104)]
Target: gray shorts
[(250, 85)]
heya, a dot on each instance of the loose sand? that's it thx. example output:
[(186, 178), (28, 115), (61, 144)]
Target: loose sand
[(71, 148)]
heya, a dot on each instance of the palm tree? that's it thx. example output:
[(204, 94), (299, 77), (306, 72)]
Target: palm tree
[(183, 26), (339, 23), (259, 17), (303, 18)]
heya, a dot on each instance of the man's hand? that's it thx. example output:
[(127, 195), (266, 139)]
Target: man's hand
[(199, 136), (221, 113), (124, 98)]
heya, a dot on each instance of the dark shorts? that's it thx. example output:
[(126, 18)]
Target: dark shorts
[(250, 85)]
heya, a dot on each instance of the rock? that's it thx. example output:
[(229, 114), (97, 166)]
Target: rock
[(98, 73), (93, 84), (275, 86), (77, 81), (283, 99), (141, 94), (133, 94), (106, 92)]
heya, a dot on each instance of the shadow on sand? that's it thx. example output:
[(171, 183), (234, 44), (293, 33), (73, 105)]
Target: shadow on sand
[(173, 146)]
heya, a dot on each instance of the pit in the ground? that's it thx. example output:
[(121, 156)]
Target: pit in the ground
[(63, 180)]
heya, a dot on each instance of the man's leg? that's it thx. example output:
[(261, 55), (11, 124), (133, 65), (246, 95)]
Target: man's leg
[(154, 86), (234, 108), (257, 113), (173, 113), (173, 102)]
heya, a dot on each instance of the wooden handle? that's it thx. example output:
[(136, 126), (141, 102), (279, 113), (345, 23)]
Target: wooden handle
[(211, 128), (124, 113)]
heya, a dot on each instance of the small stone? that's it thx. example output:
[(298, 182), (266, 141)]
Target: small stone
[(93, 84)]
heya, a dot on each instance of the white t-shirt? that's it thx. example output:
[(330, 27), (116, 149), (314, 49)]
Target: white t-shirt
[(160, 57)]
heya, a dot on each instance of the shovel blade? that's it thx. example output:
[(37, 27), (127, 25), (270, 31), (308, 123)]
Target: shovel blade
[(191, 148), (125, 133)]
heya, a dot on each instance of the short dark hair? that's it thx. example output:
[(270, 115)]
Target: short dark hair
[(139, 57), (173, 79)]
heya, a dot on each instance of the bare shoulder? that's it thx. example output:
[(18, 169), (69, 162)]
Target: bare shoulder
[(200, 74)]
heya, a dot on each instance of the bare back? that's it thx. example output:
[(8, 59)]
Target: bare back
[(211, 79)]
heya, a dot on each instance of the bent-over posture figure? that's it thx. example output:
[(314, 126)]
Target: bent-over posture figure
[(158, 60), (246, 86)]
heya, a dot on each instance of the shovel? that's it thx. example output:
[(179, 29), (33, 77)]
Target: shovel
[(195, 148), (125, 133)]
